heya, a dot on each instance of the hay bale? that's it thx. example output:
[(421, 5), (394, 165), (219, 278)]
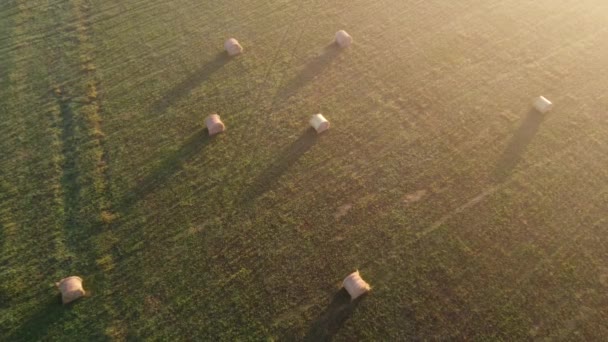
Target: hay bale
[(343, 39), (355, 285), (214, 124), (71, 289), (542, 104), (319, 123), (233, 47)]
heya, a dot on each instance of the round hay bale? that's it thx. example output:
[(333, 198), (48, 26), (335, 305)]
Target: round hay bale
[(319, 123), (343, 39), (214, 124), (233, 47), (70, 288), (542, 104), (355, 285)]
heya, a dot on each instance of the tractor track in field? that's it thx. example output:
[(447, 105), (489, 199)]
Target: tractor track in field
[(84, 189), (33, 190), (78, 114), (93, 92), (23, 16), (106, 246)]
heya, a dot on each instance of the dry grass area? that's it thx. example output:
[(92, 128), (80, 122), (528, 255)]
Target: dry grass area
[(470, 215)]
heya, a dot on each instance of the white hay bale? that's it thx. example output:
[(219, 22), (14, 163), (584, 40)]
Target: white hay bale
[(355, 285), (71, 289), (214, 124), (542, 104), (343, 39), (319, 123), (233, 47)]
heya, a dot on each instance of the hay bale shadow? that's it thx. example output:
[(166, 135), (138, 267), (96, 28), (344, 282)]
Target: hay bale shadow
[(186, 86), (310, 71), (333, 318), (171, 164), (36, 326), (266, 180), (518, 144)]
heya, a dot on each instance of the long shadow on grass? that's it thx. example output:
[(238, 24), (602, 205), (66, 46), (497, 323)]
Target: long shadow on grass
[(281, 164), (522, 137), (76, 229), (169, 166), (69, 180), (36, 326), (310, 71), (186, 86), (333, 318)]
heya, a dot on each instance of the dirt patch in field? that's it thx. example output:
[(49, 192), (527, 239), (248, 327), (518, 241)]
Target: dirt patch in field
[(196, 229), (415, 196), (152, 304), (534, 331), (342, 211), (603, 276)]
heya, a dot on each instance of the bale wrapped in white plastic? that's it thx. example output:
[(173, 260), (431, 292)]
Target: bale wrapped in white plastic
[(355, 285), (319, 123), (233, 47), (71, 289), (214, 124), (343, 39), (542, 104)]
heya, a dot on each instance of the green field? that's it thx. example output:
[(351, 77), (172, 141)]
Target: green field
[(471, 215)]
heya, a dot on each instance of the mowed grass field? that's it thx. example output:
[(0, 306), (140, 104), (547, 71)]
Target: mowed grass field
[(471, 216)]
